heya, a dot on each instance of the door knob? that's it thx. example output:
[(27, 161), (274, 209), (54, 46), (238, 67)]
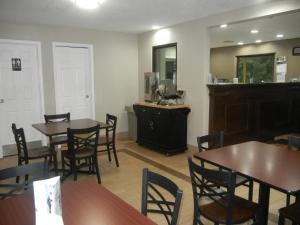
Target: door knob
[(87, 96), (1, 100)]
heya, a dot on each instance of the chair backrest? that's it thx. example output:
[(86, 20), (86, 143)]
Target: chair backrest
[(112, 121), (215, 140), (294, 142), (83, 138), (33, 172), (153, 200), (20, 142), (57, 118), (205, 188)]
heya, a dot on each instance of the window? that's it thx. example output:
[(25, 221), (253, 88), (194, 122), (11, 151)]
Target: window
[(255, 68)]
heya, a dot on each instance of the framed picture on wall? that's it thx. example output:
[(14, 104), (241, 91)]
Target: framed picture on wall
[(296, 51)]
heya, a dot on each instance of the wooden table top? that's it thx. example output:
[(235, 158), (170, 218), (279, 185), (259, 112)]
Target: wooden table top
[(83, 202), (51, 129), (276, 166)]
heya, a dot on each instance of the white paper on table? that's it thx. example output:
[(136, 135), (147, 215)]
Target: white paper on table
[(47, 201)]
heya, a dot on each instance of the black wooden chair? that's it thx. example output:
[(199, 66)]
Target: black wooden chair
[(57, 139), (293, 143), (153, 201), (26, 154), (33, 172), (219, 205), (109, 141), (82, 145), (216, 140), (291, 212)]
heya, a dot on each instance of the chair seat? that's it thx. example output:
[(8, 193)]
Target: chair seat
[(102, 140), (61, 139), (80, 153), (243, 210), (291, 212), (38, 152)]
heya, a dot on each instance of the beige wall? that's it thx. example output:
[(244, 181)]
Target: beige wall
[(193, 57), (115, 59), (223, 60)]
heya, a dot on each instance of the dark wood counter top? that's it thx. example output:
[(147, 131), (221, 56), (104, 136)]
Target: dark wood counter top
[(255, 85)]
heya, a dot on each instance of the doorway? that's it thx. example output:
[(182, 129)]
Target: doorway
[(74, 79), (21, 91)]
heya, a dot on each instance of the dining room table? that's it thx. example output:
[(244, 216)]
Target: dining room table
[(61, 128), (271, 166), (83, 202)]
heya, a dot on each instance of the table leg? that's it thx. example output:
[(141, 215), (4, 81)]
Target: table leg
[(263, 201), (54, 154)]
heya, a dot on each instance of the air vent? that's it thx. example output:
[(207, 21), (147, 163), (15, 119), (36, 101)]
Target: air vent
[(228, 41)]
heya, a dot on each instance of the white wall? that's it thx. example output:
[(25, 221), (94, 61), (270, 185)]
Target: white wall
[(115, 59), (193, 57)]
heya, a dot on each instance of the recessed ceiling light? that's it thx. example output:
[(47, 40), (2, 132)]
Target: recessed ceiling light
[(155, 27), (258, 41), (254, 31), (87, 4), (280, 35), (240, 43), (224, 25)]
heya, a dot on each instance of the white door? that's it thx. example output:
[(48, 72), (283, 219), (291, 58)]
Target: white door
[(73, 80), (20, 90)]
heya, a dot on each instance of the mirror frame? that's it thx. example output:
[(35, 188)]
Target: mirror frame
[(160, 47)]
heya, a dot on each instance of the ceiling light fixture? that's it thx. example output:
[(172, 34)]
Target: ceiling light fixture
[(254, 31), (240, 43), (223, 25), (155, 27), (279, 35), (87, 4), (258, 41)]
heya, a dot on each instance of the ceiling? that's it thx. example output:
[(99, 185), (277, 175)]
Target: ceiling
[(269, 27), (134, 16)]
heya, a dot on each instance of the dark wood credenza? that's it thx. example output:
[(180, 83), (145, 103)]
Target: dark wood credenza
[(163, 128), (254, 111)]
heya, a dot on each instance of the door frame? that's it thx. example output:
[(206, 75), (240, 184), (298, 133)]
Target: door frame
[(91, 65), (37, 45)]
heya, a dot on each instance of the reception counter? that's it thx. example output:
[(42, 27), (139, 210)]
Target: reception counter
[(254, 111), (163, 128)]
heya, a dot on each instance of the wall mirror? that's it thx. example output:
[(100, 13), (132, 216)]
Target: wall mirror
[(164, 63), (256, 51)]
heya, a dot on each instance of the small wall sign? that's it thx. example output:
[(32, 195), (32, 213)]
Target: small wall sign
[(16, 64)]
